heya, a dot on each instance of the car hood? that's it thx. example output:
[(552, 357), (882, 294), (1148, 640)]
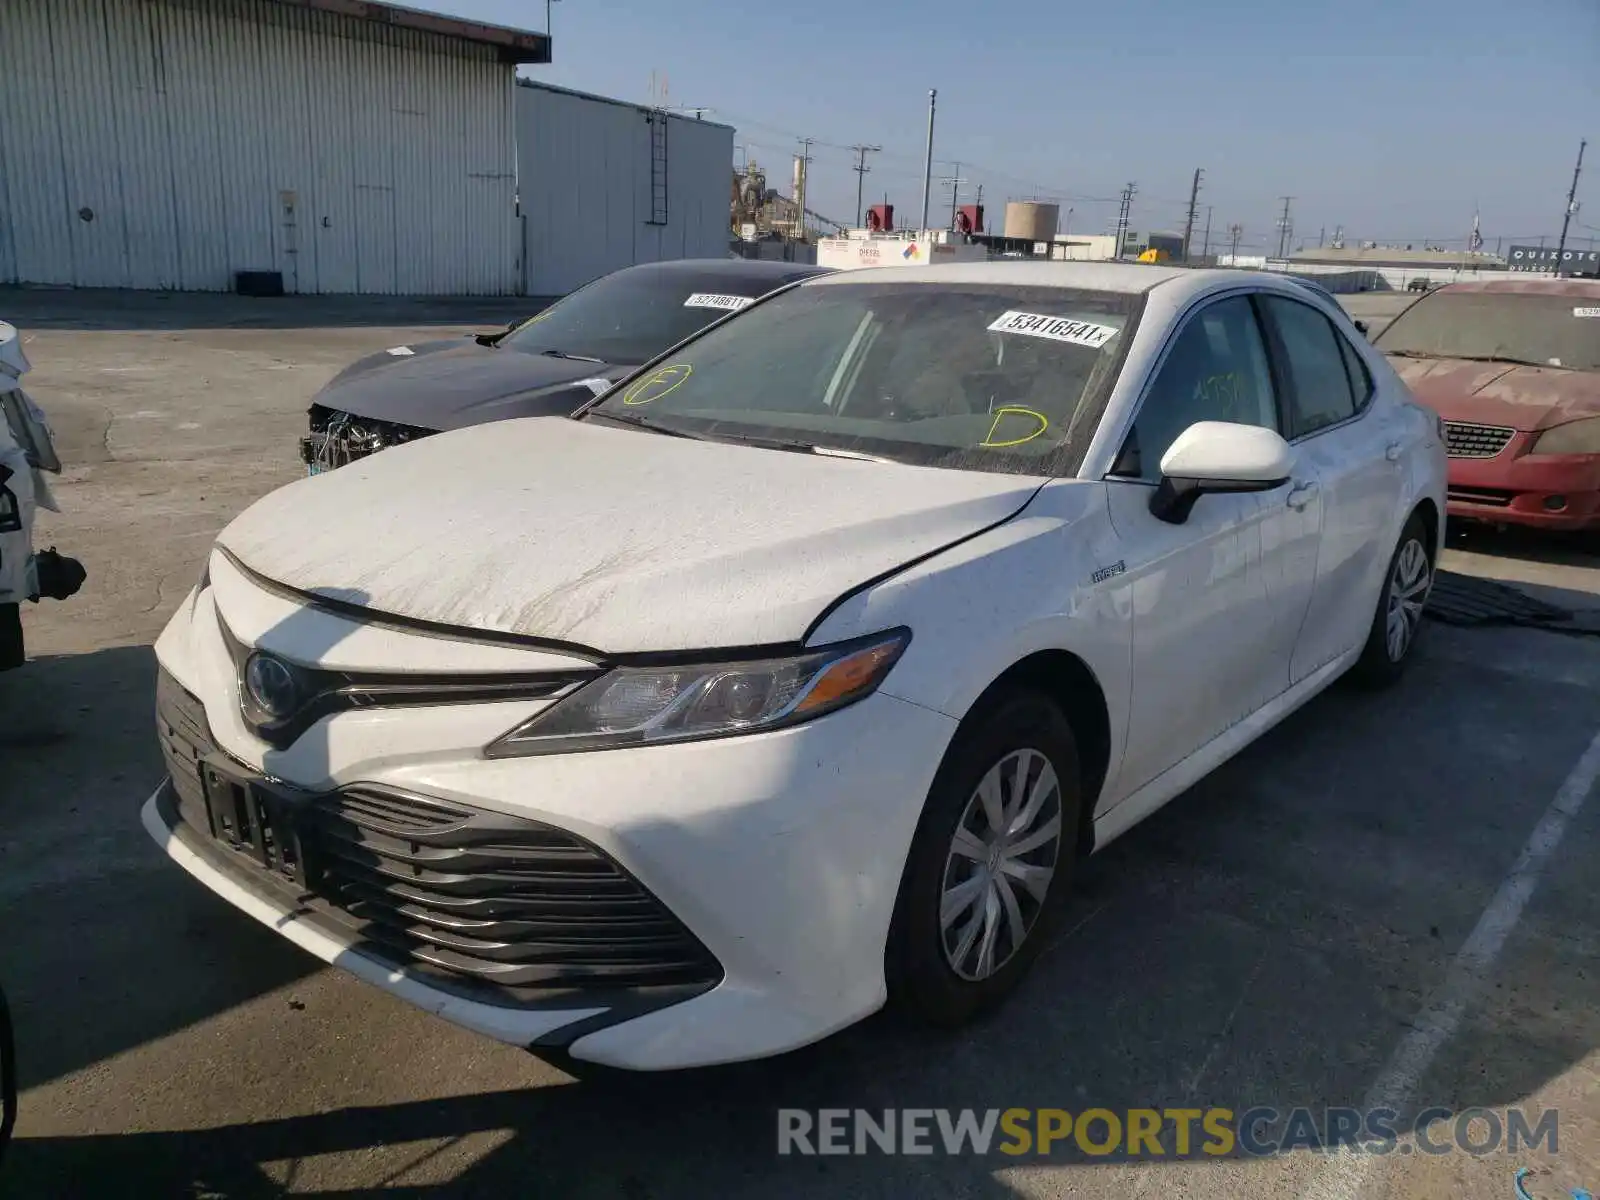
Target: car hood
[(612, 539), (460, 381), (1489, 393)]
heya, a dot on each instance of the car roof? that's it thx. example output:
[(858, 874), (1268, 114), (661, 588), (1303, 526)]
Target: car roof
[(1582, 288), (737, 273), (1179, 284), (1131, 278)]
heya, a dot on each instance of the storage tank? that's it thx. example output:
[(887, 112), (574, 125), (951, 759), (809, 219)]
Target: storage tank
[(1032, 220)]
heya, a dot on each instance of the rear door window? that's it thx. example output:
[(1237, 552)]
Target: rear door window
[(1314, 365)]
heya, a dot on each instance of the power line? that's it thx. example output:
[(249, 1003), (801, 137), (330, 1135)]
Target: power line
[(861, 170), (955, 181), (1123, 213), (1572, 208), (1188, 224)]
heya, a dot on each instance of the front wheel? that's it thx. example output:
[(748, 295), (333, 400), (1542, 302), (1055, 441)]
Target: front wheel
[(11, 649), (1398, 620), (991, 856)]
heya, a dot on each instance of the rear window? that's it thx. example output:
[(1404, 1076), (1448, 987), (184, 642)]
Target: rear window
[(1546, 331), (979, 377)]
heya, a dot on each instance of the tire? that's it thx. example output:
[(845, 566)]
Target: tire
[(11, 650), (937, 975), (1406, 584)]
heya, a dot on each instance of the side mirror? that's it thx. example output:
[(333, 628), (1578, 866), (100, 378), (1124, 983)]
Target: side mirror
[(1218, 456)]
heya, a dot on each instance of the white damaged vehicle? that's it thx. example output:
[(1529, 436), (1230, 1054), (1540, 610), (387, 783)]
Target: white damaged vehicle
[(27, 452), (795, 674)]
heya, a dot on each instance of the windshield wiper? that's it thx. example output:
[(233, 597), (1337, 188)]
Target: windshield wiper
[(573, 357), (797, 446), (641, 423)]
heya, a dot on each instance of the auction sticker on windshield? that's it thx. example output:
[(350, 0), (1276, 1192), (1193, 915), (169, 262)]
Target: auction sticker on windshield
[(1057, 329), (712, 300)]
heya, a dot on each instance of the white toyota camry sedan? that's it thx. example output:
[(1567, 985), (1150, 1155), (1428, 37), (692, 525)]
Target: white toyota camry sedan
[(795, 674)]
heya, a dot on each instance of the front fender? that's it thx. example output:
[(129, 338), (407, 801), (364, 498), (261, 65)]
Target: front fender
[(979, 608)]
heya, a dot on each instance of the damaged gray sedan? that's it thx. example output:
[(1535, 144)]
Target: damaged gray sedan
[(547, 365)]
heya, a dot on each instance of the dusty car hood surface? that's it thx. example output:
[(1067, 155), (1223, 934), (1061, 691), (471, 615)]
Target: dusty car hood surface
[(613, 539), (1488, 393), (459, 381)]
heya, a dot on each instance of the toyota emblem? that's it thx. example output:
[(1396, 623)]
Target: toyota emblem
[(271, 685)]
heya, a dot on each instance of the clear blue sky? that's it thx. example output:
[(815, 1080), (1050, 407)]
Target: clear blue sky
[(1394, 118)]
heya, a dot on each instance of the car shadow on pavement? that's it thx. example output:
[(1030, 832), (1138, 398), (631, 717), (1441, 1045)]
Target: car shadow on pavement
[(1528, 545), (107, 310), (106, 945), (1264, 940)]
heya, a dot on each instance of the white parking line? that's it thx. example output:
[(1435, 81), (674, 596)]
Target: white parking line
[(1346, 1173)]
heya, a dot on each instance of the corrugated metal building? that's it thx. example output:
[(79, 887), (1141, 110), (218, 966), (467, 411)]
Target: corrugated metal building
[(353, 146), (606, 184)]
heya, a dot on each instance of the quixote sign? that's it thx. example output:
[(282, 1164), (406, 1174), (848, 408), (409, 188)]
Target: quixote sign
[(1542, 258)]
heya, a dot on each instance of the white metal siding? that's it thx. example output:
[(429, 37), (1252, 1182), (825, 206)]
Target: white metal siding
[(583, 168), (211, 136)]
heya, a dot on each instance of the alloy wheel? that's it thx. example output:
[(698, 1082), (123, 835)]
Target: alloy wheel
[(1001, 860), (1408, 592)]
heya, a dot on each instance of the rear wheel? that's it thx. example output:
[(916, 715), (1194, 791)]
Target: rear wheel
[(992, 854), (1397, 623)]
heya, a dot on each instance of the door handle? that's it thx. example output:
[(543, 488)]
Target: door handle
[(1392, 451), (1302, 495)]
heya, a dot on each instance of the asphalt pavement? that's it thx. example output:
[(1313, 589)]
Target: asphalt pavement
[(1390, 891)]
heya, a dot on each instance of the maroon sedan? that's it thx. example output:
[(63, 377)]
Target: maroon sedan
[(1513, 367)]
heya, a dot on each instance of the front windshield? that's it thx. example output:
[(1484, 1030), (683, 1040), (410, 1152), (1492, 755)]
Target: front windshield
[(1548, 331), (628, 317), (975, 376)]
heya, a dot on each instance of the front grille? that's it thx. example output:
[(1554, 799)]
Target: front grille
[(475, 898), (337, 438), (1462, 439), (1495, 497)]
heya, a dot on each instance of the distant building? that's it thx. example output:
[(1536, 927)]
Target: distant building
[(332, 146), (603, 184), (328, 146)]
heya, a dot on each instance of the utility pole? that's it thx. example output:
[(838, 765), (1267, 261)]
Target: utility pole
[(800, 198), (1572, 207), (927, 169), (1285, 227), (1235, 231), (1188, 224), (1124, 212), (1205, 248), (861, 174), (955, 181)]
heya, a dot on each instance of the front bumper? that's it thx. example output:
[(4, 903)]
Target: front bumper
[(779, 855), (1541, 491)]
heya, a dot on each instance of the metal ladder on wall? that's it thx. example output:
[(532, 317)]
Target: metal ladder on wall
[(658, 168)]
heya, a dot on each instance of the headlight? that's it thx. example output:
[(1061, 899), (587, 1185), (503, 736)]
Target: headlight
[(1575, 437), (635, 706)]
